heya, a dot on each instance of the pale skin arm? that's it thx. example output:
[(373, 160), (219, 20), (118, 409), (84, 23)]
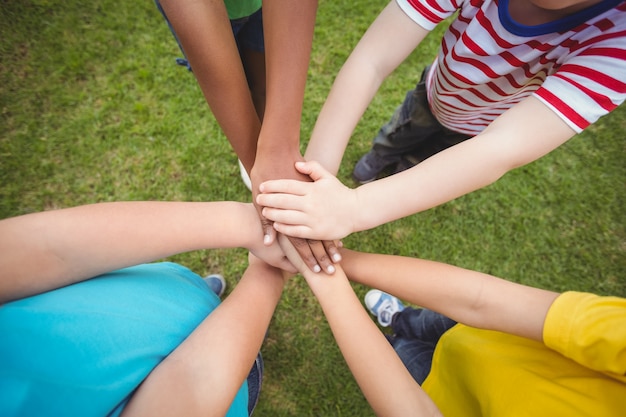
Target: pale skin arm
[(48, 250), (384, 380), (325, 209), (383, 47), (202, 375), (469, 297)]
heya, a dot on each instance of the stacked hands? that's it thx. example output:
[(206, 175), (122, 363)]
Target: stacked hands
[(314, 216), (304, 213)]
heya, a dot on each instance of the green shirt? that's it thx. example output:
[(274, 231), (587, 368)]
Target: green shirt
[(241, 8)]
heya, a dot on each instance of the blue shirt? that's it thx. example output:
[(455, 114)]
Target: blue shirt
[(83, 349)]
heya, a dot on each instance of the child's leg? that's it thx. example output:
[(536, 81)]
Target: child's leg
[(250, 40), (417, 332), (412, 133)]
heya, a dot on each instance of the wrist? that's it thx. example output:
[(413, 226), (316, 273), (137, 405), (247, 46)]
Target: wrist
[(278, 142), (359, 211), (278, 149), (250, 226)]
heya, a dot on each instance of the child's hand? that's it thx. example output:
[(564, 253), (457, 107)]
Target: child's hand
[(321, 210), (318, 255), (284, 274), (273, 255), (292, 255)]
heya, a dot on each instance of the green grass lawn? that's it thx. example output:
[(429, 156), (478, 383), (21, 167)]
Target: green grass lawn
[(93, 108)]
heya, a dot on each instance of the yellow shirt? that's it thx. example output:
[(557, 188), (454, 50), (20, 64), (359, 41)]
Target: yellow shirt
[(579, 371)]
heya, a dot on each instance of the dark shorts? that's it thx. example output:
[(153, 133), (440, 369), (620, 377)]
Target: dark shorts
[(413, 134), (248, 32)]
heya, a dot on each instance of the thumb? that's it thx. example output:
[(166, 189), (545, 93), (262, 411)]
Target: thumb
[(313, 169)]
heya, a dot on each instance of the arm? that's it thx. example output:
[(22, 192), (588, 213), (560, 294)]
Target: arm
[(523, 134), (383, 47), (288, 30), (47, 250), (526, 132), (469, 297), (206, 36), (382, 377), (202, 375)]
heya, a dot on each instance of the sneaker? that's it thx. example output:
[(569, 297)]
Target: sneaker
[(216, 283), (383, 306), (370, 165), (405, 163), (244, 176)]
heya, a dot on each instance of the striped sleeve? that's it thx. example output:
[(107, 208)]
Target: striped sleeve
[(590, 84), (428, 13)]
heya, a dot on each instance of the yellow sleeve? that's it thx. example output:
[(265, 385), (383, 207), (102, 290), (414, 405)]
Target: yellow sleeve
[(589, 329)]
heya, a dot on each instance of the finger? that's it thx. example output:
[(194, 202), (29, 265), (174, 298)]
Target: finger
[(300, 232), (313, 169), (291, 254), (283, 186), (269, 233), (305, 252), (332, 250), (290, 217), (323, 259), (286, 265), (280, 201)]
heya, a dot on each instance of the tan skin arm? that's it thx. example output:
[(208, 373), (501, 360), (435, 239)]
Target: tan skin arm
[(48, 250), (205, 33), (469, 297), (384, 380), (202, 375)]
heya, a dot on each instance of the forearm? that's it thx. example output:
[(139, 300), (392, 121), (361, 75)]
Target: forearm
[(202, 375), (470, 297), (353, 90), (47, 250), (384, 380), (288, 30), (204, 30), (383, 47), (523, 134), (459, 170)]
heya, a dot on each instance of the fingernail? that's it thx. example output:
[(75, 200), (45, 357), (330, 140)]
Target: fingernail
[(330, 269), (336, 257), (317, 269), (267, 239)]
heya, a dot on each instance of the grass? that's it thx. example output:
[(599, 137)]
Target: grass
[(93, 108)]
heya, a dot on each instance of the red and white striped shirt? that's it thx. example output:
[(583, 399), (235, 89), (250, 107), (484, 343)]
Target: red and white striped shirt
[(488, 62)]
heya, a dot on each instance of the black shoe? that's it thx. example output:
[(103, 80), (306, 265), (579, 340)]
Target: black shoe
[(404, 164), (370, 165)]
